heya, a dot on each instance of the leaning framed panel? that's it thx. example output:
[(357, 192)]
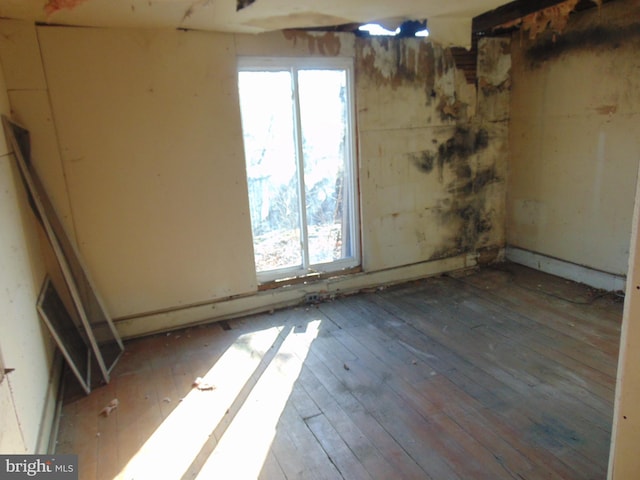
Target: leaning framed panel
[(99, 329), (64, 331)]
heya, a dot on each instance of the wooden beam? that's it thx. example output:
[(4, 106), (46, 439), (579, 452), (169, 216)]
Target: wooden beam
[(485, 22)]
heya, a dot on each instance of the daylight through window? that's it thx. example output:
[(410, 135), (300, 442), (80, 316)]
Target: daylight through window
[(296, 120)]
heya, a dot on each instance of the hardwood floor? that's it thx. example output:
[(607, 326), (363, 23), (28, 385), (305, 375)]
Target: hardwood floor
[(505, 373)]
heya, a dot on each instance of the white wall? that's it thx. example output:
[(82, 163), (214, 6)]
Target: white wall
[(148, 128), (26, 408), (574, 139)]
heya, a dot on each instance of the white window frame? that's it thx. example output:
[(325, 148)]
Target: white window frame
[(293, 64)]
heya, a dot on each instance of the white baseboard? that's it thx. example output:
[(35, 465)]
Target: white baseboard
[(571, 271), (155, 322)]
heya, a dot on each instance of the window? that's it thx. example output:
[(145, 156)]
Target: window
[(298, 140)]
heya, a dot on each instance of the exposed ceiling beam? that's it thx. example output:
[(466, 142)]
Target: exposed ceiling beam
[(486, 22)]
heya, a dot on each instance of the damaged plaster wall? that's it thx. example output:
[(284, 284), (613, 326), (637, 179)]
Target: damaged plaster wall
[(432, 150), (140, 137), (574, 138)]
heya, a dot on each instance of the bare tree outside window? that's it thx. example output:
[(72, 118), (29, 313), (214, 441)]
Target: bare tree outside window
[(300, 167)]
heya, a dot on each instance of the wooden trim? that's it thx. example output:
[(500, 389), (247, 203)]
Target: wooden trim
[(562, 268), (289, 295)]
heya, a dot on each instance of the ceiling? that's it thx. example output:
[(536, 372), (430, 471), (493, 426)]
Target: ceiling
[(449, 21)]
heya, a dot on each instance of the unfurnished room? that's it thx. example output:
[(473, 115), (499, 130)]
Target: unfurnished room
[(280, 239)]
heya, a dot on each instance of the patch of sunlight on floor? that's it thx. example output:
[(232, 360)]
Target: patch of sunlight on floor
[(172, 448), (241, 451)]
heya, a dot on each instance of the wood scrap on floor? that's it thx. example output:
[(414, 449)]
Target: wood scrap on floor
[(111, 406)]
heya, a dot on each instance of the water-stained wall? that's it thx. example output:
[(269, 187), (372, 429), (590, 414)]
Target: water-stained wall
[(574, 138), (432, 148), (138, 137)]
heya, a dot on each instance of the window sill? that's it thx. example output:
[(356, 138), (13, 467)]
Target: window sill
[(309, 278)]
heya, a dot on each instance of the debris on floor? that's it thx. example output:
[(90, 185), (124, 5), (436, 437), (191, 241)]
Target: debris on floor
[(201, 385), (112, 405)]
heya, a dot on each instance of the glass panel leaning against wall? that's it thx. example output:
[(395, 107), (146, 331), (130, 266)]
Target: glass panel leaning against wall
[(298, 140)]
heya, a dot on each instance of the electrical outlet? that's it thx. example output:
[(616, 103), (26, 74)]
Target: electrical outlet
[(316, 297), (313, 298)]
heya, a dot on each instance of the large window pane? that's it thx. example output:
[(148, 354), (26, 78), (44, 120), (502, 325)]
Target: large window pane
[(296, 116), (270, 149), (323, 119)]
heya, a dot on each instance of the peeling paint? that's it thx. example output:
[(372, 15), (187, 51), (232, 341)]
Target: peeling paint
[(451, 208), (491, 89), (419, 64), (494, 79), (554, 17), (451, 108), (393, 62), (494, 67), (323, 43)]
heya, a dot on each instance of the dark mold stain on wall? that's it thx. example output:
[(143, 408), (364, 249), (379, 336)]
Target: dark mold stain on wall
[(590, 39), (465, 142), (472, 183), (462, 164), (472, 220), (465, 209)]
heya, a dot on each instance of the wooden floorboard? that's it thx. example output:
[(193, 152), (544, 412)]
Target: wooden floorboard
[(501, 373)]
